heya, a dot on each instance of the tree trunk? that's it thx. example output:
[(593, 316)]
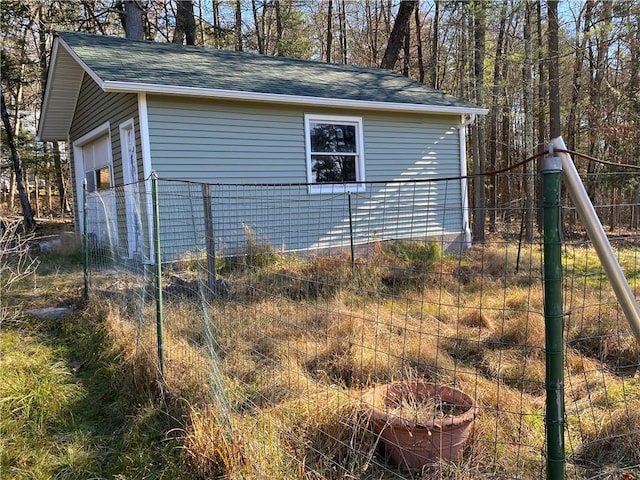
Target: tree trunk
[(478, 134), (27, 211), (433, 62), (577, 74), (399, 32), (329, 30), (279, 28), (419, 45), (406, 51), (258, 22), (217, 26), (554, 69), (342, 19), (493, 113), (238, 26), (541, 113), (527, 95), (185, 23), (133, 25)]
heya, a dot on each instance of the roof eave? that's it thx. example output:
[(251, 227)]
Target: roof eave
[(45, 132), (132, 87)]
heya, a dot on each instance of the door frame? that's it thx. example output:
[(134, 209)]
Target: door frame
[(130, 179)]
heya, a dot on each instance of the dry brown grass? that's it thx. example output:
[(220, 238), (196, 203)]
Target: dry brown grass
[(297, 343)]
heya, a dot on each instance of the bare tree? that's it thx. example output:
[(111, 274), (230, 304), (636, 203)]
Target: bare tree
[(238, 26), (55, 147), (493, 112), (279, 28), (419, 45), (329, 30), (554, 69), (259, 24), (527, 95), (580, 44), (398, 34), (478, 132), (27, 212), (433, 61), (342, 24)]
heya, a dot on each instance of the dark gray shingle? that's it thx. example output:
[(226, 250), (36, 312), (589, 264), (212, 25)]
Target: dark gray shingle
[(118, 59)]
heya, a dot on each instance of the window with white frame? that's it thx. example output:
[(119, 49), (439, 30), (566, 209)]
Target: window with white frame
[(335, 153)]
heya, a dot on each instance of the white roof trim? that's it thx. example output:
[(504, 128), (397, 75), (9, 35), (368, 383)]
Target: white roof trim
[(47, 91), (133, 87)]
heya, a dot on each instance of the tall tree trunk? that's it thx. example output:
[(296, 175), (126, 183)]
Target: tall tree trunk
[(279, 28), (542, 103), (527, 95), (373, 21), (463, 67), (406, 57), (217, 25), (433, 61), (27, 211), (554, 69), (577, 73), (185, 23), (132, 19), (238, 26), (598, 66), (478, 133), (329, 30), (258, 22), (493, 114), (400, 30), (55, 146), (342, 19), (419, 46)]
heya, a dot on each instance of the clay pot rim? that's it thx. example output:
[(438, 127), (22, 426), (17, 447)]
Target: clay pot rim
[(377, 396)]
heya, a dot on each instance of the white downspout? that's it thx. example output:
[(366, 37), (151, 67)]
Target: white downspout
[(462, 137)]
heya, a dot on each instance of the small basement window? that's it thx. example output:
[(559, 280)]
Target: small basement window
[(335, 153)]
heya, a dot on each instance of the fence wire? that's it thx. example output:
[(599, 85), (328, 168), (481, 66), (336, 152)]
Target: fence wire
[(310, 331)]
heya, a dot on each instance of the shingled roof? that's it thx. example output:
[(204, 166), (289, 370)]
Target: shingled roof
[(122, 65)]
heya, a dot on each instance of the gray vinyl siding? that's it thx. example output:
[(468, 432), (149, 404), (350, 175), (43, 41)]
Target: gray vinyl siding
[(93, 108), (231, 143)]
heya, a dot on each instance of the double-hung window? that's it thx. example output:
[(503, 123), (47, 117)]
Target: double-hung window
[(335, 157)]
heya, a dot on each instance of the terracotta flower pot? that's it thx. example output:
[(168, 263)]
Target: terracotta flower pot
[(412, 443)]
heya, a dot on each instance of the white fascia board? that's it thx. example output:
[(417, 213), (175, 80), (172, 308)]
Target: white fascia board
[(132, 87)]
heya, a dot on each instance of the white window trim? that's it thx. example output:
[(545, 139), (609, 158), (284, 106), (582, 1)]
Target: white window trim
[(330, 188), (78, 160)]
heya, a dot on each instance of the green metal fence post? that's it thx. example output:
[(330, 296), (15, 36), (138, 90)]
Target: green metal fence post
[(553, 313), (158, 258), (85, 242)]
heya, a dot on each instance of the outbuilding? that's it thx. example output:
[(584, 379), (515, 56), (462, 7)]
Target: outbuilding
[(127, 108)]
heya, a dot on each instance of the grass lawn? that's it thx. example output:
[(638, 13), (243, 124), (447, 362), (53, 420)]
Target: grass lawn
[(68, 406)]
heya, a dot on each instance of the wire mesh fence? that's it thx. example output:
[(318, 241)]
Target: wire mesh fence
[(361, 334)]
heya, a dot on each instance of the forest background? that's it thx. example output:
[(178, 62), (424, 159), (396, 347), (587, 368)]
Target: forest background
[(493, 53)]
